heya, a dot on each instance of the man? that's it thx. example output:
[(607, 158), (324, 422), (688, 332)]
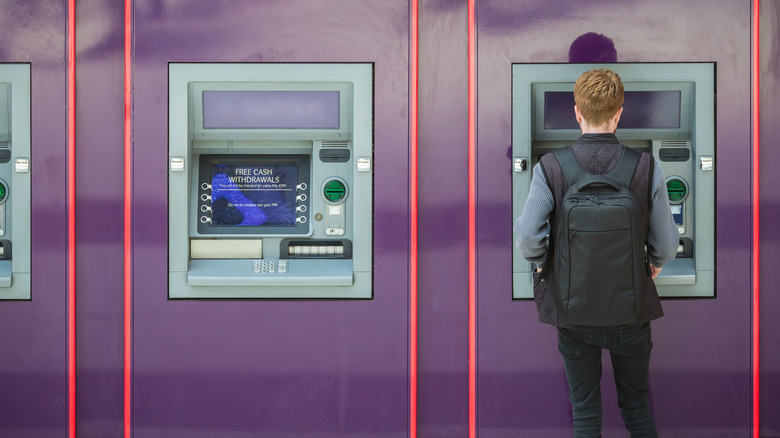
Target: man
[(598, 96)]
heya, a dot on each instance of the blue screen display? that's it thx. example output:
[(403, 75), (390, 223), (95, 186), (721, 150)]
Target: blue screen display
[(253, 194)]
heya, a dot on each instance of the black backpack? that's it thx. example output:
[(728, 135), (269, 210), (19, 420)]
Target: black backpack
[(599, 235)]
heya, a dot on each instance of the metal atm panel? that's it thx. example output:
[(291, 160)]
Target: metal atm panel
[(270, 181), (669, 111), (15, 182)]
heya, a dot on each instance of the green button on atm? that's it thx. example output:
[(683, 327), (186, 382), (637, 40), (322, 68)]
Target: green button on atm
[(677, 190), (335, 191)]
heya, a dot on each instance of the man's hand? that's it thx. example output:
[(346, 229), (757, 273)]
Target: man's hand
[(654, 271)]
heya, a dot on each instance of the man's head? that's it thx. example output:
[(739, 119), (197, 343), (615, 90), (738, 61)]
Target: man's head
[(598, 96)]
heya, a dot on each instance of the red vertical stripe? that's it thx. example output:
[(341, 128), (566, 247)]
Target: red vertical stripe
[(71, 217), (413, 231), (756, 209), (472, 60), (128, 249)]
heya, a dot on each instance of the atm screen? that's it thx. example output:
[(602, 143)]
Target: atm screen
[(658, 109), (252, 194)]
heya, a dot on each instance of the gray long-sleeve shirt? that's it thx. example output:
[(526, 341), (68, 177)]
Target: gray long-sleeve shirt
[(532, 228)]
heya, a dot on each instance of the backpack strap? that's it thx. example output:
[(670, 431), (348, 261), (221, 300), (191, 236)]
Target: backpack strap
[(650, 180), (570, 167), (624, 171), (547, 179)]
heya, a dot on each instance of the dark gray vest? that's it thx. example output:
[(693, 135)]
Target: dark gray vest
[(598, 154)]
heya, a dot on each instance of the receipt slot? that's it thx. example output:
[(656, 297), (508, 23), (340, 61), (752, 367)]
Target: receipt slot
[(669, 111), (270, 180), (15, 182)]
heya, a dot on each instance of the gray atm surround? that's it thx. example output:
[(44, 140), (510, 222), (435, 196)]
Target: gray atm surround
[(259, 262), (15, 177), (692, 273)]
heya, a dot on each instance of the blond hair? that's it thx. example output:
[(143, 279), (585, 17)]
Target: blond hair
[(598, 95)]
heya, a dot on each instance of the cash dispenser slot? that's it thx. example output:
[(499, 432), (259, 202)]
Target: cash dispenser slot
[(319, 249)]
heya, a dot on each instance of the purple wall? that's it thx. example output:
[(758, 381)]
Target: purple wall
[(443, 221), (271, 368), (770, 218), (340, 368), (700, 371), (33, 342), (99, 217)]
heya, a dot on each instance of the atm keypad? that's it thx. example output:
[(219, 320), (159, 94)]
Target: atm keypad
[(261, 267)]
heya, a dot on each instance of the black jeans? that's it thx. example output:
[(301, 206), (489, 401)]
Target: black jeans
[(630, 352)]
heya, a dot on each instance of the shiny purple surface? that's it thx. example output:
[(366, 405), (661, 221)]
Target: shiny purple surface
[(770, 218), (33, 344), (700, 370), (271, 368), (99, 218), (443, 409)]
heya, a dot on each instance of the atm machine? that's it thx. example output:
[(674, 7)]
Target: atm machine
[(669, 111), (270, 181), (15, 182)]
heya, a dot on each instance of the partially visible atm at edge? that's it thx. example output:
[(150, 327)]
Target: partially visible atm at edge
[(669, 111), (15, 182), (270, 181)]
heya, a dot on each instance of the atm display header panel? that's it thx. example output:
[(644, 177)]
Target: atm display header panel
[(270, 110)]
